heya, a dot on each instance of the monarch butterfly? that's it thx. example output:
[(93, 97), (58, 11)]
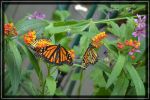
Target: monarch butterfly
[(90, 56), (55, 54)]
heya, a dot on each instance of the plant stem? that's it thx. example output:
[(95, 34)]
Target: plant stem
[(80, 85), (107, 20), (77, 65), (43, 87), (43, 83), (48, 68)]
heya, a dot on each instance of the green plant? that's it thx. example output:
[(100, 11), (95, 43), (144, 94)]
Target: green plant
[(115, 74)]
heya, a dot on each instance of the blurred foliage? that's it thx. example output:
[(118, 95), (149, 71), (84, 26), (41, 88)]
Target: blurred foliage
[(61, 15), (123, 10), (125, 77)]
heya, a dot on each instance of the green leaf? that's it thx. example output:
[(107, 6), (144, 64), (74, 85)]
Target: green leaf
[(76, 28), (5, 19), (84, 43), (33, 24), (112, 48), (110, 41), (54, 72), (130, 26), (97, 76), (75, 76), (25, 74), (7, 82), (121, 86), (139, 86), (65, 23), (21, 21), (135, 9), (118, 7), (81, 23), (131, 91), (50, 86), (29, 87), (15, 52), (110, 45), (115, 29), (116, 70), (53, 39), (101, 91), (59, 92), (123, 31), (64, 68), (61, 15), (141, 71), (53, 30), (102, 8), (65, 41), (77, 49), (93, 30), (33, 60), (101, 65), (13, 61), (59, 36), (139, 56)]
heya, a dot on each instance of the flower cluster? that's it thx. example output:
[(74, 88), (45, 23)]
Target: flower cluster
[(96, 40), (43, 42), (30, 37), (72, 53), (140, 28), (120, 45), (10, 30), (134, 47), (133, 44), (37, 15)]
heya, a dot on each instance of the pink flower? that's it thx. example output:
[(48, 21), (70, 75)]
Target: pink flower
[(133, 51), (140, 30), (37, 15)]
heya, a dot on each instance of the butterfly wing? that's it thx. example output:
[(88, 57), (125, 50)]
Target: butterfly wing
[(56, 54), (65, 56), (90, 56)]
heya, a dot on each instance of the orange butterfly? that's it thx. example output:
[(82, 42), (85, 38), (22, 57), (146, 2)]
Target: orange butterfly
[(90, 56), (55, 54)]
